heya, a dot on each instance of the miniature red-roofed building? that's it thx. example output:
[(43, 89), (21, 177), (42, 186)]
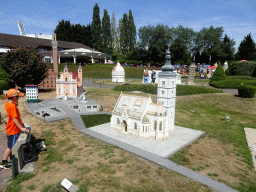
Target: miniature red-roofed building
[(70, 84)]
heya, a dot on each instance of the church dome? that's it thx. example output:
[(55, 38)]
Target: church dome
[(118, 67)]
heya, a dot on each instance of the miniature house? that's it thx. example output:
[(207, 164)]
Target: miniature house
[(139, 116), (70, 84), (118, 73), (32, 93)]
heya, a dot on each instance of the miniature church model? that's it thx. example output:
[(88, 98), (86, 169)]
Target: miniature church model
[(139, 116), (70, 84), (118, 73)]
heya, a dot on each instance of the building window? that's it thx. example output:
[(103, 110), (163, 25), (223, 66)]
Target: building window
[(163, 83), (172, 83), (172, 92), (66, 79), (135, 126), (155, 125), (160, 126), (162, 92), (143, 129), (118, 121), (94, 107), (89, 107)]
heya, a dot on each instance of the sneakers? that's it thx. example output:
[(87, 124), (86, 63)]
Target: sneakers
[(5, 165)]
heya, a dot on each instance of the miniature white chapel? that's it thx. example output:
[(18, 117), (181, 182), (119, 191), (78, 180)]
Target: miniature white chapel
[(118, 73), (139, 116)]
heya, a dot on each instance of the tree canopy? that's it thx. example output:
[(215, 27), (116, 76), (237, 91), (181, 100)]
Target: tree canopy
[(96, 28), (247, 49), (24, 66)]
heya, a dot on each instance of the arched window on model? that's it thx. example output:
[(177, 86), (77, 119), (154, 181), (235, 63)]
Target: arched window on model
[(118, 121), (155, 125), (160, 126), (135, 126)]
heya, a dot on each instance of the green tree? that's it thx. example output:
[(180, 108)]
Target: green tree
[(64, 31), (106, 33), (96, 28), (24, 66), (228, 48), (131, 30), (219, 74), (114, 33), (124, 35), (247, 48), (158, 43), (119, 37)]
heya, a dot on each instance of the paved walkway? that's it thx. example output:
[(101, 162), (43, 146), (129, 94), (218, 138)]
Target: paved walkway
[(4, 173)]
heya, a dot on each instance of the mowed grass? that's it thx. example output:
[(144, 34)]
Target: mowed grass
[(102, 71), (93, 120), (208, 113), (94, 166)]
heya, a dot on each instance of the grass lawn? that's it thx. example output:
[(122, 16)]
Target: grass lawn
[(93, 120), (92, 165)]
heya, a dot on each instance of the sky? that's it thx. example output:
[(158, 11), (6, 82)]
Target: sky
[(237, 17)]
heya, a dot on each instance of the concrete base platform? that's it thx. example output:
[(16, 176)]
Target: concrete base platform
[(250, 134), (178, 139)]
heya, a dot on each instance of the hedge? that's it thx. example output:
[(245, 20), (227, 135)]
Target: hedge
[(180, 89), (242, 68), (232, 83), (246, 91)]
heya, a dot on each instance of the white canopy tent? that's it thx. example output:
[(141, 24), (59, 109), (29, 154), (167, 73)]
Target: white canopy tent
[(83, 52)]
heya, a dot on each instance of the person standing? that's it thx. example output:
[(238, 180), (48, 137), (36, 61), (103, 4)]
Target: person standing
[(14, 124)]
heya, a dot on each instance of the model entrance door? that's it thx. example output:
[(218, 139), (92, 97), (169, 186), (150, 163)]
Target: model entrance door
[(125, 125)]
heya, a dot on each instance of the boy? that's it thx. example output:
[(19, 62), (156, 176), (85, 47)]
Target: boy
[(14, 124)]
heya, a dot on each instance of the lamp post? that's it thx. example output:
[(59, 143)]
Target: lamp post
[(210, 60)]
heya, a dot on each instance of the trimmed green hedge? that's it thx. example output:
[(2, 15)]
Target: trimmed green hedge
[(242, 68), (246, 91), (180, 89), (219, 74), (232, 83)]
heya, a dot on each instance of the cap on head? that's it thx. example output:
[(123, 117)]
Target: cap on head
[(13, 93)]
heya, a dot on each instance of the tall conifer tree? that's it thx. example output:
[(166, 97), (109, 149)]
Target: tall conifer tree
[(124, 35), (114, 32), (247, 48), (96, 28), (106, 33), (131, 32)]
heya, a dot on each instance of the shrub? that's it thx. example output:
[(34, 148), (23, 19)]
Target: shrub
[(219, 74), (4, 85), (24, 65), (232, 83), (246, 91), (227, 71), (242, 68), (4, 76), (180, 90)]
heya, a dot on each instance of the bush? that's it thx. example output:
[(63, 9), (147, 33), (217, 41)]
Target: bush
[(219, 74), (227, 71), (4, 76), (4, 85), (24, 65), (246, 91), (232, 83), (242, 68), (180, 90)]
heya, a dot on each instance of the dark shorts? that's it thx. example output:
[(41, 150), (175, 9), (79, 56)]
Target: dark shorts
[(11, 140)]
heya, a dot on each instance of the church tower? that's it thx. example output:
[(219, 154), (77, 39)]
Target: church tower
[(80, 76), (166, 90)]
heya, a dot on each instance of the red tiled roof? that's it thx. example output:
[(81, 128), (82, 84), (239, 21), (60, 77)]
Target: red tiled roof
[(75, 74)]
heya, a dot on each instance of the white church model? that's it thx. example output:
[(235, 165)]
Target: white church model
[(139, 116), (118, 73)]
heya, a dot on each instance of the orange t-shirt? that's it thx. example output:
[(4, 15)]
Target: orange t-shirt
[(12, 112)]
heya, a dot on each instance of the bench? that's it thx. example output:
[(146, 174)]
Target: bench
[(18, 152)]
